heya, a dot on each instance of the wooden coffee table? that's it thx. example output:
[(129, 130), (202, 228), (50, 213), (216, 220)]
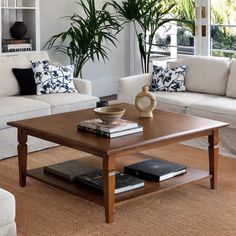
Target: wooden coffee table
[(163, 129)]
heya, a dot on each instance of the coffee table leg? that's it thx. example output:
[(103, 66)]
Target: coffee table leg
[(213, 151), (109, 188), (22, 156)]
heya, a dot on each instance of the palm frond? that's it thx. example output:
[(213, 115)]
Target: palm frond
[(85, 38)]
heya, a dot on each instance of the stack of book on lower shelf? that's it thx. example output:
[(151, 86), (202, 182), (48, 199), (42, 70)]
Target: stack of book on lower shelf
[(82, 173), (155, 169), (119, 128), (124, 182), (134, 176), (16, 45)]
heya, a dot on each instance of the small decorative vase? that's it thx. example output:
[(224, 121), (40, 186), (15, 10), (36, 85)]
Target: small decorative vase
[(18, 30), (145, 111)]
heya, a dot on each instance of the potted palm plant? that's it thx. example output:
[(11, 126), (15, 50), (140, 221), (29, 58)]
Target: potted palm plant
[(87, 36), (149, 16)]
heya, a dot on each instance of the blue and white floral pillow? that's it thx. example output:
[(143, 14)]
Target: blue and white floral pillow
[(53, 79), (168, 79)]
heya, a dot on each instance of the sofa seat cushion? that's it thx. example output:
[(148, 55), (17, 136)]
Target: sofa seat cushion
[(205, 74), (178, 101), (66, 102), (18, 108), (7, 207), (221, 108)]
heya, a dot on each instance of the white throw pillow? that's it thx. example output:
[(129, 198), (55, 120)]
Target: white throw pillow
[(53, 79)]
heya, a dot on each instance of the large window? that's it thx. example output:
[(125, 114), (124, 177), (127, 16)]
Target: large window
[(174, 39), (223, 28)]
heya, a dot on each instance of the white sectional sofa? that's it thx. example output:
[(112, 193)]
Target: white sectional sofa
[(15, 107), (7, 214), (210, 93)]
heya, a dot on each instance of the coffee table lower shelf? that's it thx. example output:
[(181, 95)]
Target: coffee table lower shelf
[(88, 193)]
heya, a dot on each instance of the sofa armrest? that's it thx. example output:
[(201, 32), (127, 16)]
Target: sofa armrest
[(83, 86), (132, 85)]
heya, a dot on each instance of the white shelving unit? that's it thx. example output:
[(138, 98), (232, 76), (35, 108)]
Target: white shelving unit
[(20, 10)]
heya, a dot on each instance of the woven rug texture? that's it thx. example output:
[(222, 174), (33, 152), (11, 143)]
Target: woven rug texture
[(189, 210)]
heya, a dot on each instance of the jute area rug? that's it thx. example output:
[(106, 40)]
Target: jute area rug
[(189, 210)]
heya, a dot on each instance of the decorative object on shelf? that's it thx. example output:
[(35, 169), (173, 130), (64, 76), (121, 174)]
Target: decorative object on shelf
[(18, 30), (145, 111), (109, 114)]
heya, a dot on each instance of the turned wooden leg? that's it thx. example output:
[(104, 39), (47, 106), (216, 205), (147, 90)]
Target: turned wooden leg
[(22, 156), (109, 187), (213, 151)]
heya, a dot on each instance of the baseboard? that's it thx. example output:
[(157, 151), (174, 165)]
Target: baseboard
[(105, 87)]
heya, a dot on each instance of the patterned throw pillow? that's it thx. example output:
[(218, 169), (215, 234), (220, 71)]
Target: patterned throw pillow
[(53, 79), (168, 79)]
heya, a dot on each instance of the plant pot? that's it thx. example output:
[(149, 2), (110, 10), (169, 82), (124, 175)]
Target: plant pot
[(18, 30)]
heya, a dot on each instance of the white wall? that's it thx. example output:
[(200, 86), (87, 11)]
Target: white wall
[(104, 77)]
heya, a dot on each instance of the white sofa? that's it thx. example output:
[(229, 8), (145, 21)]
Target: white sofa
[(7, 214), (15, 107), (210, 93)]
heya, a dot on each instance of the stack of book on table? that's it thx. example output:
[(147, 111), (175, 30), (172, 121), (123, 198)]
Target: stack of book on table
[(79, 172), (116, 129)]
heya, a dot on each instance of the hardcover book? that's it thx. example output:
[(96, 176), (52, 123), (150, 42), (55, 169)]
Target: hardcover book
[(124, 182), (19, 47), (69, 170), (111, 135), (119, 125), (17, 41), (155, 169)]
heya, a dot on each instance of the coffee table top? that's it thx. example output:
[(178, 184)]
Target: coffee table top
[(165, 127)]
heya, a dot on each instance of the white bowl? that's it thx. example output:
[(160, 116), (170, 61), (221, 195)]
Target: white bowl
[(109, 114)]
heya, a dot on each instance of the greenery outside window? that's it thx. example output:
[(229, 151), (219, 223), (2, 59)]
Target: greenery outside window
[(223, 28)]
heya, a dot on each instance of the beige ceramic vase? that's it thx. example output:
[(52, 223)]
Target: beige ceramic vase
[(145, 111)]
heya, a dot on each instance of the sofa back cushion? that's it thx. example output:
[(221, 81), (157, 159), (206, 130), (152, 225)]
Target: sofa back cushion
[(205, 74), (8, 82), (36, 56), (231, 86)]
